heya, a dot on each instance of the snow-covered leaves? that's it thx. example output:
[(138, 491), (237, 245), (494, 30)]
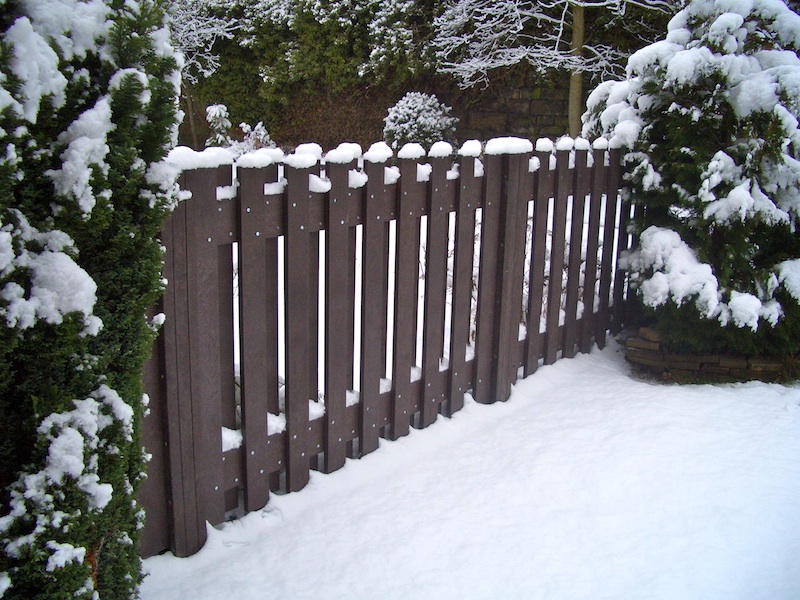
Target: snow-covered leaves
[(87, 111), (710, 118), (420, 118), (57, 285)]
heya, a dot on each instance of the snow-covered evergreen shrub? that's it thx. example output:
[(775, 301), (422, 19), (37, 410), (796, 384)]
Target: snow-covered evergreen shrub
[(418, 118), (88, 93), (220, 125), (710, 120)]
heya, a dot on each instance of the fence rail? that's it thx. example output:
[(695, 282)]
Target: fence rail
[(511, 245)]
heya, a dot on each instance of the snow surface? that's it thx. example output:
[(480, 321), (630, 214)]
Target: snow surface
[(587, 484)]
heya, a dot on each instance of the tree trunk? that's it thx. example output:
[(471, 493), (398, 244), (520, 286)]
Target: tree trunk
[(186, 95), (575, 105)]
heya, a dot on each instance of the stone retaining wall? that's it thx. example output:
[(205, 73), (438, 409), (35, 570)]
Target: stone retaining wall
[(647, 351)]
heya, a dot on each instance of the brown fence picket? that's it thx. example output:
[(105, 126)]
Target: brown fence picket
[(339, 304), (580, 188), (463, 254), (435, 390), (544, 182), (564, 187), (607, 263), (410, 208), (258, 317), (374, 261), (298, 273)]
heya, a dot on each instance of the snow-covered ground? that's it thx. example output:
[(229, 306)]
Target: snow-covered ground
[(588, 483)]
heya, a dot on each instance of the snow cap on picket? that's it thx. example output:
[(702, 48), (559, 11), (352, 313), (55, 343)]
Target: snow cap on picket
[(544, 145), (344, 153), (412, 150), (311, 148), (508, 145), (379, 152), (300, 161), (441, 150), (470, 148), (565, 143), (186, 159), (260, 158)]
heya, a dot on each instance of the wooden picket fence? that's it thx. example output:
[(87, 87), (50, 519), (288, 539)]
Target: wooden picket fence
[(508, 237)]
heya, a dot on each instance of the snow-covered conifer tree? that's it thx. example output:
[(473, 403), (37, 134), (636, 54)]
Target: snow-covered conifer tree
[(88, 92), (710, 120)]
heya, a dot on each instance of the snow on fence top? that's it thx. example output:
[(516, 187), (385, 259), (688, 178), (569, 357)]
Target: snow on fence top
[(307, 155)]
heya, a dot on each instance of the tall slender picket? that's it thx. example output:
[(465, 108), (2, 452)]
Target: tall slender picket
[(258, 301), (555, 284), (339, 302), (597, 184), (375, 258), (544, 181), (298, 335), (580, 188), (435, 390), (406, 288), (463, 254)]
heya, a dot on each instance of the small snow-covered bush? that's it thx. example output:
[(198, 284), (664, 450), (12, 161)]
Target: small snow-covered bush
[(220, 125), (418, 118), (88, 101), (709, 118)]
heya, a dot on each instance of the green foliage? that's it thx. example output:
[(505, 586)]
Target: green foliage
[(294, 63), (710, 116), (67, 388)]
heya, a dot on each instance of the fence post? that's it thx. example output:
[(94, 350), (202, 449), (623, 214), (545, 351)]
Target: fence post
[(507, 186), (192, 358)]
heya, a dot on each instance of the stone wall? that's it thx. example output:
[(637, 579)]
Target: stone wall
[(646, 350), (520, 104)]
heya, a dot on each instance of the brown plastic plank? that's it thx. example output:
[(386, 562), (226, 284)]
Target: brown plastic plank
[(607, 262), (298, 272), (623, 244), (406, 289), (204, 294), (543, 189), (464, 249), (555, 282), (435, 290), (339, 304), (258, 300), (374, 260), (598, 182), (581, 187), (485, 352), (185, 539), (153, 494)]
